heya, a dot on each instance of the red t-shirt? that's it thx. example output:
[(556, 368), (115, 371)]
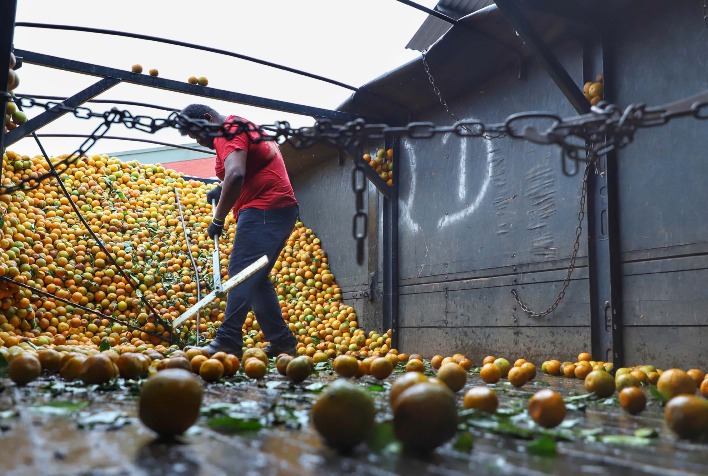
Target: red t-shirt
[(266, 184)]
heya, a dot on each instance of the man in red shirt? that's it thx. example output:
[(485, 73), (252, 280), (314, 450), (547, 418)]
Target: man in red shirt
[(256, 187)]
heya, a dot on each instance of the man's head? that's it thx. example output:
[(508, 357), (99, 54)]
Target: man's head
[(201, 112)]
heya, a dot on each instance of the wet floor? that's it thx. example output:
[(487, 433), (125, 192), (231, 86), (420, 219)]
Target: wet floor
[(53, 427)]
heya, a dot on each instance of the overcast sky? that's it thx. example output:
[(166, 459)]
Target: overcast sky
[(350, 41)]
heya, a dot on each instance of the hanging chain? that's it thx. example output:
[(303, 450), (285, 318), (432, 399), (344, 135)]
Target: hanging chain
[(574, 255), (360, 219), (485, 135), (704, 7)]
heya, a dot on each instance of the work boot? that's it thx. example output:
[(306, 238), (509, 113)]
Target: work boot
[(274, 349), (215, 346)]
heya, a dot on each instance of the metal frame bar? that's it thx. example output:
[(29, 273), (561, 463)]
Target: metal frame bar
[(130, 139), (7, 32), (390, 247), (185, 45), (56, 112), (181, 86), (544, 55), (604, 251)]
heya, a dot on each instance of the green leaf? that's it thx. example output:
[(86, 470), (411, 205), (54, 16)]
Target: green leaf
[(542, 446), (646, 433), (2, 220), (464, 442), (104, 345), (381, 438), (323, 366), (585, 396), (59, 408), (375, 387), (625, 440), (658, 395), (3, 365), (234, 424)]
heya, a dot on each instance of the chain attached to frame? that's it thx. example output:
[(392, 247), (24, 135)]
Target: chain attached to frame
[(574, 255)]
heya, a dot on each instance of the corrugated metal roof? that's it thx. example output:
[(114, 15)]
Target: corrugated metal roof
[(434, 28)]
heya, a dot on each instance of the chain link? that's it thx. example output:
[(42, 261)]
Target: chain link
[(461, 125), (704, 7)]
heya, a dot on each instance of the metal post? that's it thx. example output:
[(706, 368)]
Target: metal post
[(604, 260), (390, 248), (7, 33)]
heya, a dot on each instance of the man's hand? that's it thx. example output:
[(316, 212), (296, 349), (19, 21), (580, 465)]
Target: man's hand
[(216, 228), (214, 194)]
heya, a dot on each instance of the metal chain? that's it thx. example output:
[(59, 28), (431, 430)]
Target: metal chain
[(574, 255), (605, 128), (360, 219), (704, 7), (437, 92)]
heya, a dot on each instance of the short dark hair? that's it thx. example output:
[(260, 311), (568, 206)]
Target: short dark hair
[(195, 111)]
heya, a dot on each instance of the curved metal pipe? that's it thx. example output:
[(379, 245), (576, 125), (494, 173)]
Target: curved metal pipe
[(138, 36)]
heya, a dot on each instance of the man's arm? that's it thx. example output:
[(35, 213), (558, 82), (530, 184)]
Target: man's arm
[(234, 172)]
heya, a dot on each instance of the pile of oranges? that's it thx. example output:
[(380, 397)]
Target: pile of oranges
[(594, 91), (134, 212), (382, 163)]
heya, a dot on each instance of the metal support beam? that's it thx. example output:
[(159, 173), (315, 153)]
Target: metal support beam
[(604, 260), (7, 32), (544, 55), (181, 86), (56, 112), (390, 248)]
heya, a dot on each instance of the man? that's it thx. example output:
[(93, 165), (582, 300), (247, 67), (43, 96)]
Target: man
[(255, 185)]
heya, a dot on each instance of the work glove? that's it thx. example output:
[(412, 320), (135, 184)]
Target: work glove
[(214, 194), (216, 228)]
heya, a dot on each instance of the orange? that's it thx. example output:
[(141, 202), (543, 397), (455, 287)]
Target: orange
[(687, 416), (697, 375), (403, 382), (640, 375), (547, 408), (211, 370), (581, 371), (674, 382), (50, 359), (130, 366), (489, 360), (625, 380), (425, 416), (553, 367), (255, 368), (73, 367), (490, 373), (234, 362), (632, 399), (194, 351), (381, 368), (415, 365), (170, 401), (530, 369), (704, 388), (436, 361), (255, 352), (584, 357), (97, 369), (298, 369), (177, 363), (503, 365), (346, 366), (281, 363), (569, 370), (481, 398), (466, 364), (601, 383), (517, 376), (519, 362), (197, 362), (343, 415), (454, 376), (24, 368)]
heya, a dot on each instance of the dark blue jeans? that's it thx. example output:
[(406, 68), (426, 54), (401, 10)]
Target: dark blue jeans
[(258, 233)]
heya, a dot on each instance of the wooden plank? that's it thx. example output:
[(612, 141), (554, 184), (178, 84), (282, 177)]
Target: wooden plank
[(667, 347), (532, 343)]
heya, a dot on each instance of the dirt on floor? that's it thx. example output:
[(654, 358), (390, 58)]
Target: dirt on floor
[(249, 427)]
